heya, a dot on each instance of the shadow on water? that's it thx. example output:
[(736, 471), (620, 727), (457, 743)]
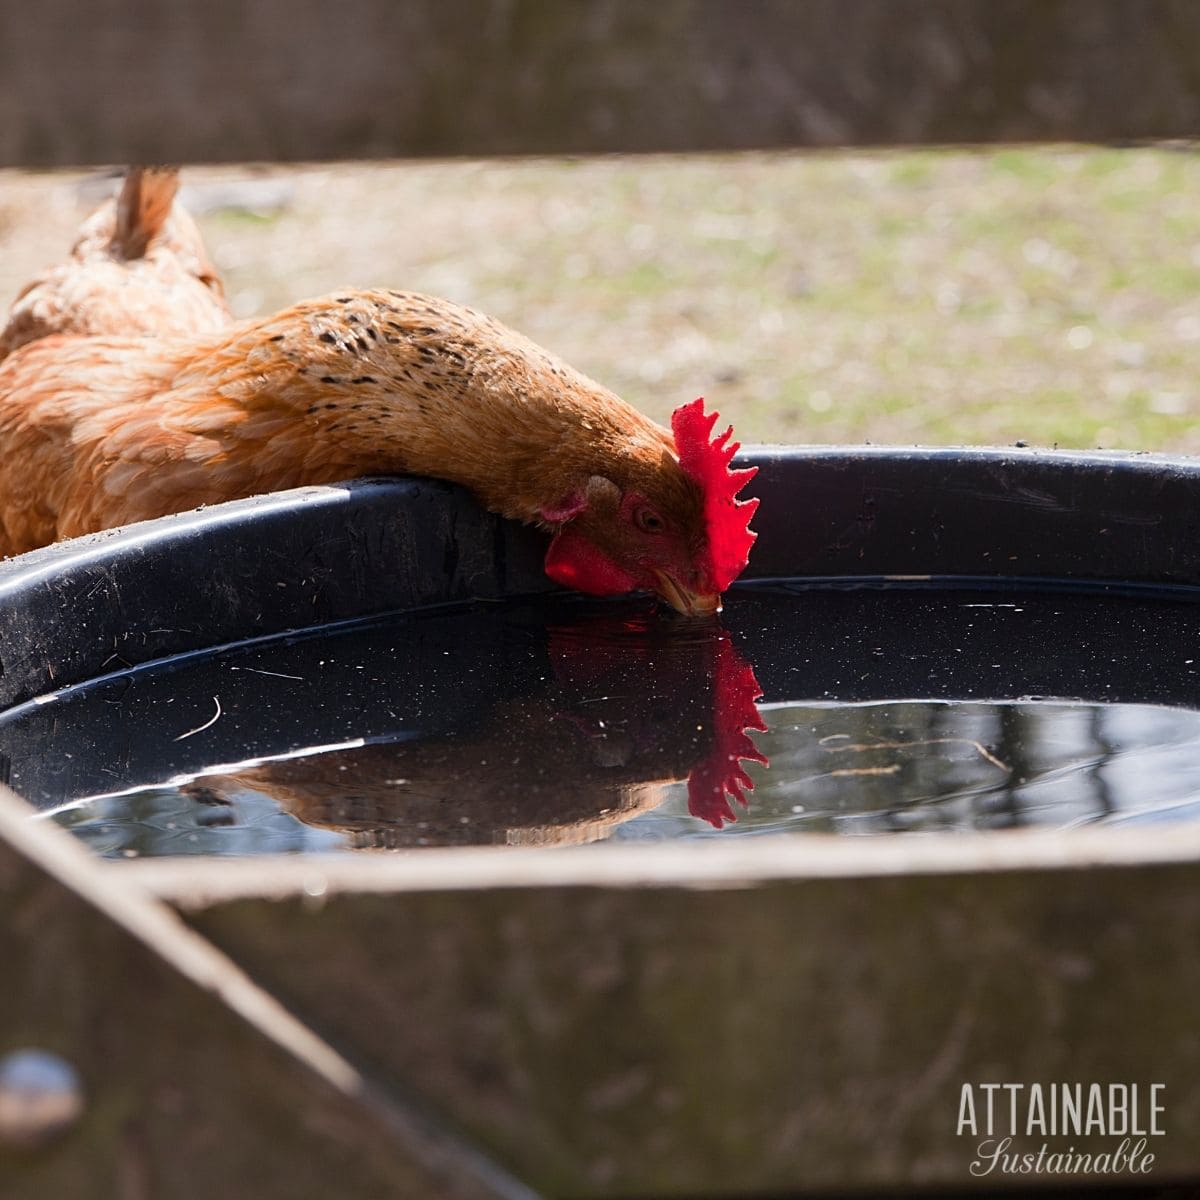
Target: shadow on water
[(558, 721)]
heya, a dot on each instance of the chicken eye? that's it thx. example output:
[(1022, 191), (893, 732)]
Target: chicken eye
[(648, 521)]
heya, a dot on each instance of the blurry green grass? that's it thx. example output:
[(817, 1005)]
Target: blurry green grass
[(1044, 295)]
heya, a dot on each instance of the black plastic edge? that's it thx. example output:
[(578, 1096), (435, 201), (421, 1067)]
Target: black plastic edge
[(311, 556)]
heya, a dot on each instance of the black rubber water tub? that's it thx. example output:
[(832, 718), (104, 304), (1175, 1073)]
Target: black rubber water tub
[(874, 540), (787, 1014)]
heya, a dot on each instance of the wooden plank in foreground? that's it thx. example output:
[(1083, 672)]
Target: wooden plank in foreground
[(196, 1083), (795, 1017), (222, 80)]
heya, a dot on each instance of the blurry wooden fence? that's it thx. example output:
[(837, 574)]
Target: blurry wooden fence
[(227, 80)]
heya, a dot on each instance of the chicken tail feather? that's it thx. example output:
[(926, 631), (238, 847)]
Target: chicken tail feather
[(142, 208)]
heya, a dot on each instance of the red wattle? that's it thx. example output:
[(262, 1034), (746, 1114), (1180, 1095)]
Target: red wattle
[(575, 563)]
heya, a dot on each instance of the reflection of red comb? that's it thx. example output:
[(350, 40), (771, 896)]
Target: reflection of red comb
[(720, 774), (726, 518)]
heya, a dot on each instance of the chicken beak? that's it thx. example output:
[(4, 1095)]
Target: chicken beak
[(685, 601)]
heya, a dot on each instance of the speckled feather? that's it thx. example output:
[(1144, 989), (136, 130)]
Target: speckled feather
[(138, 267), (98, 432)]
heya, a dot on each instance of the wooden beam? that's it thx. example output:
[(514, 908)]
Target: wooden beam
[(221, 80), (774, 1038), (196, 1082)]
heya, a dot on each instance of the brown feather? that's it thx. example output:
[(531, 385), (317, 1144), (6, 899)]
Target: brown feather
[(98, 432), (142, 208), (139, 266)]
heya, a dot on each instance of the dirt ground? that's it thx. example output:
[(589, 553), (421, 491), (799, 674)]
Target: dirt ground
[(1050, 296)]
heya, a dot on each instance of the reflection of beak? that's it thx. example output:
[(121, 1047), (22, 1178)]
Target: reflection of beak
[(689, 603)]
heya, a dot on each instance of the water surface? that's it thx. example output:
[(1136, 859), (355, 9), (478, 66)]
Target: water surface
[(878, 710)]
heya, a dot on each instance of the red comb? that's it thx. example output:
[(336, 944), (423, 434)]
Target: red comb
[(719, 774), (726, 518)]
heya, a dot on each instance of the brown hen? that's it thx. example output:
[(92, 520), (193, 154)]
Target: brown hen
[(138, 267), (102, 431)]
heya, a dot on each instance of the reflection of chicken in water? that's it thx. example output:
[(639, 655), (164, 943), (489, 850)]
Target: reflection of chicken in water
[(528, 778), (138, 267), (561, 767)]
